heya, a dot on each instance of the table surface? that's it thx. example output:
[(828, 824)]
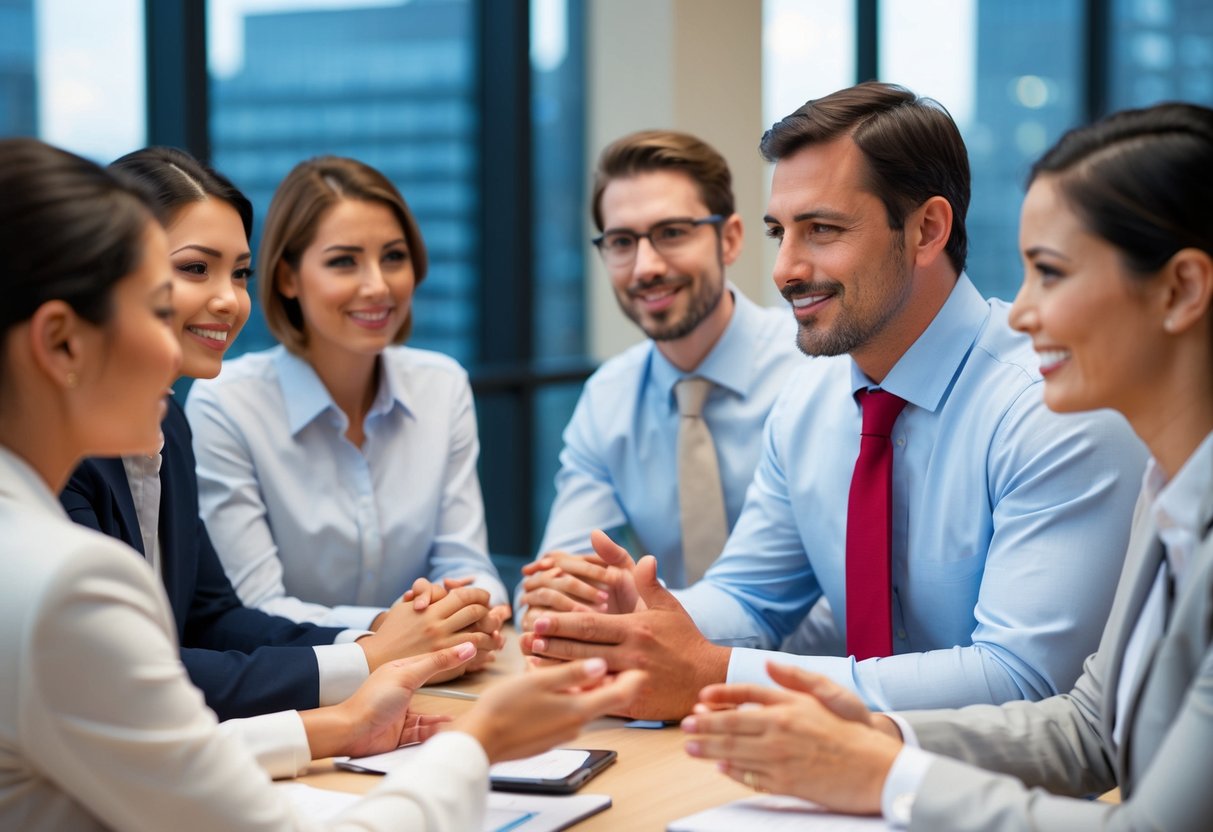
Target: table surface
[(652, 782)]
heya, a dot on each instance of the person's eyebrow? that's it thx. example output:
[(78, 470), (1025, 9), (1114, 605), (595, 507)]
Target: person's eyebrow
[(209, 252), (339, 247), (1052, 252)]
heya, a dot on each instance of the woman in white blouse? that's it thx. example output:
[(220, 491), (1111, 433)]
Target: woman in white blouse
[(338, 470), (99, 725), (1116, 237)]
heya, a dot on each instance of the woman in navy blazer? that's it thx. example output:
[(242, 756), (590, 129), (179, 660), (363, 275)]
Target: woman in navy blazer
[(245, 661)]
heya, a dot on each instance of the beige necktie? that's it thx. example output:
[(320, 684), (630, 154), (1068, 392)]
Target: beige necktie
[(700, 499)]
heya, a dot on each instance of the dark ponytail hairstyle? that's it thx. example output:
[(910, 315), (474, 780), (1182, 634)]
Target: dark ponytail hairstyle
[(69, 230), (1140, 179), (175, 178)]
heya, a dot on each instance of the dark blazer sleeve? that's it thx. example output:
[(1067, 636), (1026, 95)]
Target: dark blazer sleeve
[(245, 661)]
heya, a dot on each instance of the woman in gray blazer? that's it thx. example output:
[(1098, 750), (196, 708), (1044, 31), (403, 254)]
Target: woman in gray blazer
[(99, 724), (1117, 242)]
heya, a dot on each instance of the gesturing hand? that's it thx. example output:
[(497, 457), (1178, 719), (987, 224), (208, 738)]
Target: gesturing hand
[(659, 637), (376, 718), (525, 715), (812, 739)]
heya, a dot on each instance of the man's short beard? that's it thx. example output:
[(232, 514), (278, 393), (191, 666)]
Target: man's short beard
[(848, 333), (702, 304)]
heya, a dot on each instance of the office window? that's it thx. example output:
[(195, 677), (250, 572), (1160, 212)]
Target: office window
[(1011, 75), (389, 84), (808, 50), (71, 73), (1160, 50)]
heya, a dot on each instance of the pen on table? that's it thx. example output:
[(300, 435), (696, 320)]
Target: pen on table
[(449, 694), (516, 822)]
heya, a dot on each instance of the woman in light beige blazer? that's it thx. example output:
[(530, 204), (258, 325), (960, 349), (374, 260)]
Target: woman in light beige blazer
[(1117, 242), (99, 724)]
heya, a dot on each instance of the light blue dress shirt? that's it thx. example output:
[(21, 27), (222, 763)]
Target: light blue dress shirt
[(311, 527), (1009, 522), (619, 465)]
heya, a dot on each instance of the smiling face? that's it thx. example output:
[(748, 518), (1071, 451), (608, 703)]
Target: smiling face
[(842, 268), (210, 259), (668, 296), (355, 280), (1092, 322)]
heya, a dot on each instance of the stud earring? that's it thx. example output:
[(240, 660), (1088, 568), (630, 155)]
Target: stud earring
[(72, 379), (1169, 324)]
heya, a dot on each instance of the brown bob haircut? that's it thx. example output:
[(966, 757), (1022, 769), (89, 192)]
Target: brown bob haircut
[(651, 150), (913, 149), (300, 203)]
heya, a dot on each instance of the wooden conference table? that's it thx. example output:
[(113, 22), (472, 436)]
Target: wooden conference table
[(652, 783)]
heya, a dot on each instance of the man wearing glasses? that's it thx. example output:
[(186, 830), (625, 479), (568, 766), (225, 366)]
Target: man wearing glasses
[(671, 429), (967, 537)]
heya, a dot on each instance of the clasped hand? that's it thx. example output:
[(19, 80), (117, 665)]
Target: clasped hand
[(434, 616), (651, 632)]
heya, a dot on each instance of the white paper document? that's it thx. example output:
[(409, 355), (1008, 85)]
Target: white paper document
[(504, 813), (551, 765), (774, 813)]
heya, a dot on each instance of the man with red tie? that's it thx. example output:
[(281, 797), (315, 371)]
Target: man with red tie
[(912, 474)]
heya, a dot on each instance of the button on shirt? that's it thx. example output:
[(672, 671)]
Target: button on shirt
[(619, 465), (313, 528), (1004, 515)]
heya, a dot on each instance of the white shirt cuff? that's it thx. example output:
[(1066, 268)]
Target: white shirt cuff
[(750, 665), (277, 741), (908, 737), (350, 635), (342, 669), (902, 785)]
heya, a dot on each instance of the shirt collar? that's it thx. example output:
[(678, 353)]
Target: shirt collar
[(729, 362), (924, 374), (1186, 501), (306, 397)]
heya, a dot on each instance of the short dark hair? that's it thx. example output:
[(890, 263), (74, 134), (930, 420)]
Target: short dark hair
[(307, 193), (651, 150), (175, 178), (69, 230), (913, 149), (1140, 179)]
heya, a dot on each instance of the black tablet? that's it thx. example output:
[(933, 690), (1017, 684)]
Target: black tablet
[(594, 763)]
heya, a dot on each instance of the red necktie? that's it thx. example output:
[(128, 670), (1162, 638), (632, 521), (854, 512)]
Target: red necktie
[(870, 530)]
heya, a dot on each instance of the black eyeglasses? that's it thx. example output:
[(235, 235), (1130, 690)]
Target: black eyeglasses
[(618, 247)]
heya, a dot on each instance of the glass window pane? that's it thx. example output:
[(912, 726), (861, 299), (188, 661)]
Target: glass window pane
[(1161, 50), (559, 193), (71, 72), (1011, 76), (392, 84), (808, 50)]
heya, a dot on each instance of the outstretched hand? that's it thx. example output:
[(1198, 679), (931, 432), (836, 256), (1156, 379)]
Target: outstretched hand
[(376, 718), (810, 738), (528, 714)]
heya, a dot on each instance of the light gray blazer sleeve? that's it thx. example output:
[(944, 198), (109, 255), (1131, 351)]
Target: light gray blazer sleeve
[(1021, 765)]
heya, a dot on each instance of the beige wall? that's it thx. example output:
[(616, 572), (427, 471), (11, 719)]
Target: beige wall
[(692, 65)]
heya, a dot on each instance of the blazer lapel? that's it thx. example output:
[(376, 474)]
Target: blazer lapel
[(115, 473), (1143, 580)]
